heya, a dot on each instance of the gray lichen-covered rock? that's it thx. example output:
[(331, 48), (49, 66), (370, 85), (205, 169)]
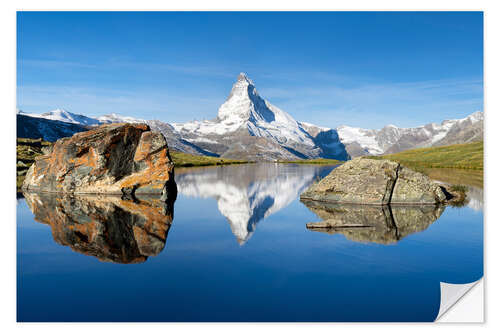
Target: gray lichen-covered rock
[(375, 182), (416, 188)]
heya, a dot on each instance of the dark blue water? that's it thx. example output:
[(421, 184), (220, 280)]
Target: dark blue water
[(238, 250)]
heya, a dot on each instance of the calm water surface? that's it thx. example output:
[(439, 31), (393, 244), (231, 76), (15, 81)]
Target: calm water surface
[(234, 247)]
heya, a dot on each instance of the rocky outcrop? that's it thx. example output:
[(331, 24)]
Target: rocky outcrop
[(375, 182), (362, 223), (112, 159), (106, 227)]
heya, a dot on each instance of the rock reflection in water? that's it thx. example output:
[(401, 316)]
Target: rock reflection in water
[(377, 224), (249, 193), (106, 227)]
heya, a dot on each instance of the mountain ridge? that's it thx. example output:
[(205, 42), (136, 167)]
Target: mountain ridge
[(393, 139), (247, 126)]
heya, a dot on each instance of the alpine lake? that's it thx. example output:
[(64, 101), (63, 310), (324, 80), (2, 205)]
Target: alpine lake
[(234, 247)]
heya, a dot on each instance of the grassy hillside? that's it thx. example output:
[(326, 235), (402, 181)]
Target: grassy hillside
[(188, 160), (456, 176), (313, 161), (461, 156), (26, 151)]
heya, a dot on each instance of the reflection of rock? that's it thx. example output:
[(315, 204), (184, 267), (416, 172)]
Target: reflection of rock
[(375, 182), (105, 227), (378, 224), (111, 158), (248, 193)]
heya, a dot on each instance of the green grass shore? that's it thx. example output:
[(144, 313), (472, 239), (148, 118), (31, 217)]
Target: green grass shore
[(461, 156), (189, 160), (326, 161), (26, 151)]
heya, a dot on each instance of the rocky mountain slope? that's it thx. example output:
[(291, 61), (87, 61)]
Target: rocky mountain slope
[(248, 126), (392, 139), (49, 130), (63, 116)]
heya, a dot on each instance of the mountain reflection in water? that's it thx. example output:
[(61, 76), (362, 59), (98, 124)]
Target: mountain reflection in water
[(246, 194), (475, 198), (378, 224), (106, 227)]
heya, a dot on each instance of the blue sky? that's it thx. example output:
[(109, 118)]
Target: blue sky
[(359, 69)]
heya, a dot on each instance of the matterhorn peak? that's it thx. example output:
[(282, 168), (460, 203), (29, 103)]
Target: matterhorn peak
[(242, 87), (241, 100), (242, 77)]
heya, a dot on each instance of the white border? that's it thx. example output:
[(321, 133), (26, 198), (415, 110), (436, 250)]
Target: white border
[(7, 63)]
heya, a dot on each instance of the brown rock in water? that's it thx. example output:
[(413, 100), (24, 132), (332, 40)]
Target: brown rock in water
[(377, 224), (111, 159), (106, 227), (375, 182)]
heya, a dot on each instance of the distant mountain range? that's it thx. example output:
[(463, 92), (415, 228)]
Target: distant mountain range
[(392, 139), (49, 130), (249, 127)]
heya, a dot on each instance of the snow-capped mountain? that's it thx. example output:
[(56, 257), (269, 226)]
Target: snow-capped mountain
[(116, 118), (174, 139), (73, 118), (327, 140), (64, 116), (48, 130), (249, 193), (245, 109), (249, 126), (392, 139)]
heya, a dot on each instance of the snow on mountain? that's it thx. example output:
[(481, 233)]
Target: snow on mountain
[(73, 118), (244, 108), (47, 129), (327, 140), (392, 139), (365, 138), (245, 113), (64, 116), (116, 118), (174, 139)]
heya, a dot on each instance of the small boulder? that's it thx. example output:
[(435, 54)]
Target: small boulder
[(375, 182), (110, 159)]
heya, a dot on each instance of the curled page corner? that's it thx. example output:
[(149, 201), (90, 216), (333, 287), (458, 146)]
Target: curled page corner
[(451, 293)]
